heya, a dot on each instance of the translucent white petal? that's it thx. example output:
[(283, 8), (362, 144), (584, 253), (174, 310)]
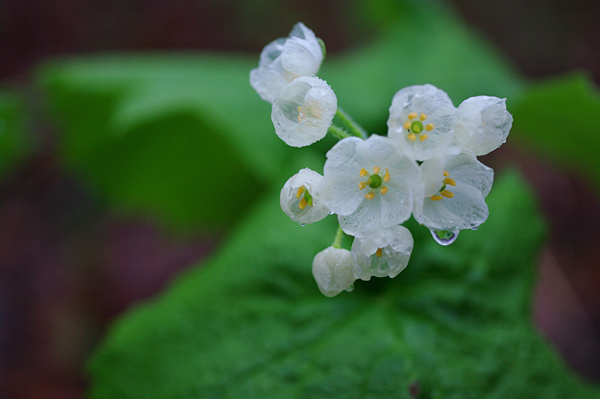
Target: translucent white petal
[(343, 156), (431, 173), (341, 194), (307, 181), (463, 211), (340, 184), (483, 124), (366, 218), (467, 208), (333, 271), (284, 60), (303, 110), (269, 81), (302, 53), (466, 169), (439, 111), (396, 244)]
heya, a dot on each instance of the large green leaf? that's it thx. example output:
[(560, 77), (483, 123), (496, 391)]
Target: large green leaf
[(559, 118), (184, 137), (251, 322)]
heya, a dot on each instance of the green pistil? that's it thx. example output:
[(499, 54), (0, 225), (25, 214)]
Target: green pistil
[(374, 181), (308, 198), (416, 127)]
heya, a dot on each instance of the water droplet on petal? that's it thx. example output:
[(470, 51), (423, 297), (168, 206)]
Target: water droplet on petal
[(474, 228), (351, 288), (330, 212), (444, 237), (302, 224)]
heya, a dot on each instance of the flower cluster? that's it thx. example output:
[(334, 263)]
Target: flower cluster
[(426, 166)]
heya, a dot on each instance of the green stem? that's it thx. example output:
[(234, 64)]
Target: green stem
[(338, 132), (353, 128), (339, 235)]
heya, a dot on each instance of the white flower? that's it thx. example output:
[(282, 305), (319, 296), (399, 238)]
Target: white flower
[(303, 111), (483, 124), (369, 184), (286, 59), (455, 186), (421, 121), (300, 198), (333, 270), (384, 253)]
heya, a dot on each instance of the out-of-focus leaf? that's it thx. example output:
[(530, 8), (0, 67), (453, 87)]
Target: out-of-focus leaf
[(560, 118), (12, 131), (251, 323), (425, 43), (184, 137)]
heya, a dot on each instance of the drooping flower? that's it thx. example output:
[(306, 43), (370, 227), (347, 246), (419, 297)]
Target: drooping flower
[(384, 253), (421, 121), (482, 125), (369, 184), (285, 59), (303, 111), (454, 191), (333, 270), (300, 198)]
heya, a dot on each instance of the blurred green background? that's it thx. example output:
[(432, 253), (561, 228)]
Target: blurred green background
[(109, 190)]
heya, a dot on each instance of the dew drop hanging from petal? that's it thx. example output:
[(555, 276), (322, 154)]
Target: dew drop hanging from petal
[(444, 237)]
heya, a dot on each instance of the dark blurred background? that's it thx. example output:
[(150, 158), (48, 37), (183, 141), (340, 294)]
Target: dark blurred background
[(69, 265)]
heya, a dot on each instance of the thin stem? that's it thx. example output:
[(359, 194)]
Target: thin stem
[(353, 128), (338, 132), (339, 235)]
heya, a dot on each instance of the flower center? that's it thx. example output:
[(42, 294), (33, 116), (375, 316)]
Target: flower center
[(307, 199), (443, 192), (414, 126), (375, 181), (310, 109), (379, 252)]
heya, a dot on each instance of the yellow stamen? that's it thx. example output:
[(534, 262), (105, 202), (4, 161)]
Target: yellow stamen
[(449, 181), (383, 190), (423, 137), (447, 193), (422, 117), (436, 197), (386, 177), (300, 191), (407, 125), (412, 137), (362, 185), (412, 115), (363, 172), (370, 195), (303, 203), (376, 169), (429, 127), (446, 173), (379, 252)]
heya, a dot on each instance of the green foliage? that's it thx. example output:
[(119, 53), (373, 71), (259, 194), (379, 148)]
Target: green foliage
[(560, 119), (184, 138), (251, 323), (13, 142)]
